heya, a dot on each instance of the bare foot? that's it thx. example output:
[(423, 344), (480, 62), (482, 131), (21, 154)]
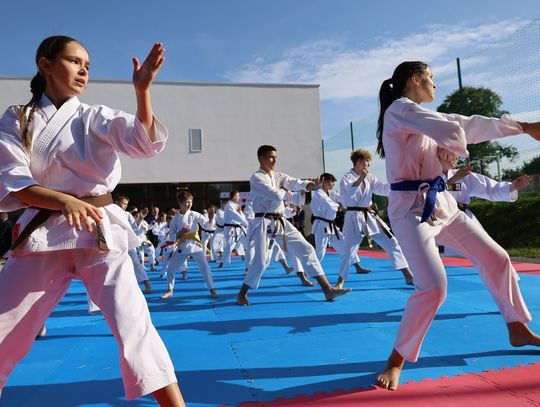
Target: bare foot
[(339, 283), (166, 295), (334, 293), (360, 269), (389, 377), (42, 332), (288, 270), (520, 335), (308, 283), (184, 275), (242, 301), (213, 293), (408, 276)]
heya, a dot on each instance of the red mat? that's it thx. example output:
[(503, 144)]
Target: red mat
[(513, 387)]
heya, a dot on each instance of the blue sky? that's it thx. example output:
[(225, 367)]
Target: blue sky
[(346, 46)]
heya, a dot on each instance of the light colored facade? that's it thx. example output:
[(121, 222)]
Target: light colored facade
[(233, 119)]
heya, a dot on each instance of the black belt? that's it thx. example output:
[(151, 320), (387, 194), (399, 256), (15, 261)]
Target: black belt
[(278, 217), (377, 219), (43, 214), (331, 222), (206, 230)]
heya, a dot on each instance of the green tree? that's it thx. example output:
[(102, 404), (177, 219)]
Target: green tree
[(482, 101), (531, 167)]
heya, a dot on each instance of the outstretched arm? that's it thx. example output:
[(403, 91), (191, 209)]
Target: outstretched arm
[(143, 76), (533, 129)]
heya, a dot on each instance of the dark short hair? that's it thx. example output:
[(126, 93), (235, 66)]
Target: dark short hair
[(328, 176), (233, 193), (263, 150)]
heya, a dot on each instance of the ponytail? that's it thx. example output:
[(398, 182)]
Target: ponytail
[(391, 90)]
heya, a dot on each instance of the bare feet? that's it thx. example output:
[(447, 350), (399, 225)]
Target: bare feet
[(389, 377), (304, 280), (166, 295), (147, 287), (213, 293), (333, 293), (42, 332), (408, 276), (360, 269), (240, 300), (520, 335), (184, 275), (339, 284)]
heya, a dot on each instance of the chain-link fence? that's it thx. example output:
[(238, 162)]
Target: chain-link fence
[(511, 69)]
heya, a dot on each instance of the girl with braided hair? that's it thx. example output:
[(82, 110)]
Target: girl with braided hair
[(59, 159)]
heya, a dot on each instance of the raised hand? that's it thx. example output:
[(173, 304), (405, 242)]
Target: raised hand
[(143, 75), (520, 182)]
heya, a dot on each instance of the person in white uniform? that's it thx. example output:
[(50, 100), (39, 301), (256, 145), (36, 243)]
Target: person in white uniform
[(466, 184), (208, 231), (325, 204), (184, 230), (356, 190), (410, 137), (146, 247), (269, 189), (59, 159), (140, 272), (234, 229)]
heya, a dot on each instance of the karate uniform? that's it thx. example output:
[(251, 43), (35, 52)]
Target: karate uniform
[(268, 191), (233, 236), (357, 223), (326, 206), (479, 186), (410, 138), (208, 231), (75, 151), (140, 271), (188, 247), (146, 246)]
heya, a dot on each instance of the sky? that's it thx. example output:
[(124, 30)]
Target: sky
[(348, 47)]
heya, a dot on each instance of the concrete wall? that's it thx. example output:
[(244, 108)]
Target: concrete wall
[(234, 118)]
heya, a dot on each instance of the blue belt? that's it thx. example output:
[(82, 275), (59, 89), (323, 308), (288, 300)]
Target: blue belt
[(435, 185)]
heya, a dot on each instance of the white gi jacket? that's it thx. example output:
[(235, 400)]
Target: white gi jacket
[(192, 219), (324, 206), (480, 186), (361, 196), (79, 158), (268, 191), (411, 136)]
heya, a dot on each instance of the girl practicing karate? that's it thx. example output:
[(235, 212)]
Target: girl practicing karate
[(58, 158), (421, 210)]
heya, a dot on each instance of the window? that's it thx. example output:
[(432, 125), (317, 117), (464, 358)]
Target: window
[(195, 140)]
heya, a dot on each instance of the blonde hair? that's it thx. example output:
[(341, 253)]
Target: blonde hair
[(360, 154)]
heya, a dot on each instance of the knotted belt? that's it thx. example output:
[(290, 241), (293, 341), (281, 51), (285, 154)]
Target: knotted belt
[(278, 218), (236, 225), (43, 214), (191, 236), (331, 222), (432, 187), (379, 221)]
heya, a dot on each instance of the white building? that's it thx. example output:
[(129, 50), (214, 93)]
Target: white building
[(214, 132)]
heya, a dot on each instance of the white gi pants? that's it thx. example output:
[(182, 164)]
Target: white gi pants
[(296, 244), (322, 240), (139, 270), (233, 238), (149, 250), (32, 285), (353, 239), (178, 261), (466, 236), (208, 241)]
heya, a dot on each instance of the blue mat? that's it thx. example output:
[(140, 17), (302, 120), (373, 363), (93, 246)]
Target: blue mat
[(290, 342)]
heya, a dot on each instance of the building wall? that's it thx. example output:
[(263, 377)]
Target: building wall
[(234, 119)]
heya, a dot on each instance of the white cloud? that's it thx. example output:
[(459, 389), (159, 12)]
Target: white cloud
[(347, 72)]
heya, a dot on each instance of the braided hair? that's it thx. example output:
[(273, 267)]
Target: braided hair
[(49, 48)]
